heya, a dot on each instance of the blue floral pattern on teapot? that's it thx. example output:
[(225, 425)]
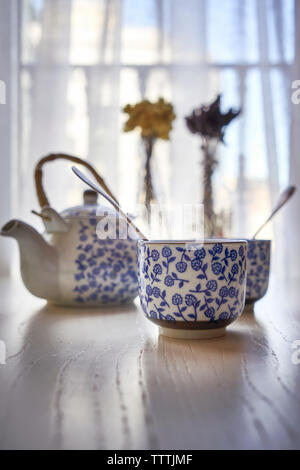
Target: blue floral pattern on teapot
[(106, 269), (104, 265)]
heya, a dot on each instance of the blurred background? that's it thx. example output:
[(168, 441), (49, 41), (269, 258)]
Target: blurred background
[(71, 65)]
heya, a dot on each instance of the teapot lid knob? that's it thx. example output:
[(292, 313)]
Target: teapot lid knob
[(90, 197)]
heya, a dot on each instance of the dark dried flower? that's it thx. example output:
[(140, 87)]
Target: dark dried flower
[(209, 122)]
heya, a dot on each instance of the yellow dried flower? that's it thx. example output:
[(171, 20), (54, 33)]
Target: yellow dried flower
[(154, 119)]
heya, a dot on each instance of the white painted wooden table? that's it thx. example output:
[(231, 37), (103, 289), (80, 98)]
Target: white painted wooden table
[(105, 380)]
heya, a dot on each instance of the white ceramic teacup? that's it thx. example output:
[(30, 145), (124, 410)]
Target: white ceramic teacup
[(192, 290)]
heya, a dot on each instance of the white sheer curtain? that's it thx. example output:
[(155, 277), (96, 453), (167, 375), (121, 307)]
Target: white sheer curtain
[(291, 221), (70, 90), (82, 61)]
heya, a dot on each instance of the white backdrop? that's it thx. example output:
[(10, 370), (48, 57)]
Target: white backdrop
[(82, 60)]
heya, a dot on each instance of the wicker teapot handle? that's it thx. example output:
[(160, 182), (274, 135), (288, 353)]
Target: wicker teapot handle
[(38, 175)]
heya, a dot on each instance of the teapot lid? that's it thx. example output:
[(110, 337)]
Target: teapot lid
[(90, 207)]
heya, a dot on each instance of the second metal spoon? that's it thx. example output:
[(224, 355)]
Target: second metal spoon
[(283, 199)]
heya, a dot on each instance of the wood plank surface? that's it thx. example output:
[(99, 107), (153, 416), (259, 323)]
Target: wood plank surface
[(86, 379)]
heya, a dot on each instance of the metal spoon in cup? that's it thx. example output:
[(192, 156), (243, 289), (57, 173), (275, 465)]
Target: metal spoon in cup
[(109, 199), (283, 199)]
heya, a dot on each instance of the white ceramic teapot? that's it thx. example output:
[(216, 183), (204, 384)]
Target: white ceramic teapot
[(77, 262)]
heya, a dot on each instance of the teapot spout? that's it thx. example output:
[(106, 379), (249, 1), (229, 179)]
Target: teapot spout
[(39, 263)]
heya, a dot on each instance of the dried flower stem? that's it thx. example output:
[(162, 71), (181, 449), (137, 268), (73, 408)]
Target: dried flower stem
[(209, 165), (148, 185)]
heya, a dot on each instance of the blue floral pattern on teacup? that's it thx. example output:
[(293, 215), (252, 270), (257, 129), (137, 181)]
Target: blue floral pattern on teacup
[(177, 283), (258, 268)]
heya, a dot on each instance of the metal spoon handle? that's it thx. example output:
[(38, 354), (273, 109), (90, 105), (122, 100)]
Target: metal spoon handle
[(109, 199), (283, 199)]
